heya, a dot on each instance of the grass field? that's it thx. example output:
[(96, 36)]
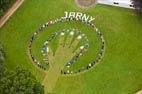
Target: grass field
[(121, 68), (66, 49)]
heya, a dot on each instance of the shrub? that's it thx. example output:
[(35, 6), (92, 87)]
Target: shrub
[(19, 81), (138, 6)]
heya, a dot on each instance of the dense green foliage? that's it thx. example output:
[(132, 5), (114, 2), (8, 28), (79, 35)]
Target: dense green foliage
[(19, 81), (120, 70), (4, 5), (2, 58), (138, 6), (2, 55)]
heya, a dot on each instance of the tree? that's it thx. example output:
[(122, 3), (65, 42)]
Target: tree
[(138, 6), (2, 55), (19, 81), (2, 58), (4, 5)]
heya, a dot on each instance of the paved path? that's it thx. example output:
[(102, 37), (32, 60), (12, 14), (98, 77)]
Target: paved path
[(139, 92), (5, 18)]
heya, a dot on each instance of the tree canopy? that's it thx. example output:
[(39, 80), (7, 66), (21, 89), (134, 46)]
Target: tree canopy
[(4, 5), (138, 6), (2, 55), (2, 58), (19, 81)]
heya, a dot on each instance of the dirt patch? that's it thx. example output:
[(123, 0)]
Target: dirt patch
[(86, 3)]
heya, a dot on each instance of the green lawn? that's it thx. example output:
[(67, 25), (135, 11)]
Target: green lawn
[(89, 56), (121, 68)]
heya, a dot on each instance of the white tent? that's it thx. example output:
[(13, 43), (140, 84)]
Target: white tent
[(119, 3)]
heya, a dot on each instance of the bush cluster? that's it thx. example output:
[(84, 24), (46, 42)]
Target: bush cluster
[(5, 5)]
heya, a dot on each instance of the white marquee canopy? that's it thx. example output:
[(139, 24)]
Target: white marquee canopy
[(120, 3)]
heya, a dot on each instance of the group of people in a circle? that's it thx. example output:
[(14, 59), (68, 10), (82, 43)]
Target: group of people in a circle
[(75, 58), (78, 54)]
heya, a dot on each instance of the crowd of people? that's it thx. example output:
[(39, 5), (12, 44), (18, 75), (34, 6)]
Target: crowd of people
[(75, 58)]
